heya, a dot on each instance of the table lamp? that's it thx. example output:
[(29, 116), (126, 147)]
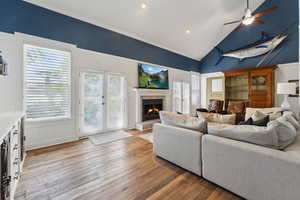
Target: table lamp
[(286, 89)]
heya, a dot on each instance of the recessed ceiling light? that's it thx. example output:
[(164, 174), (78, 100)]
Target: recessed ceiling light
[(188, 31), (143, 5)]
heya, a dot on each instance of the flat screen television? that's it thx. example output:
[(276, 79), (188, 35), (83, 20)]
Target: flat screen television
[(153, 77)]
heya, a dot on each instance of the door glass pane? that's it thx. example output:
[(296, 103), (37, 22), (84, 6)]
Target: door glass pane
[(92, 99), (177, 97), (115, 101), (186, 98)]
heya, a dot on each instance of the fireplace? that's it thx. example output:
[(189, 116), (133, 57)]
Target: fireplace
[(151, 108)]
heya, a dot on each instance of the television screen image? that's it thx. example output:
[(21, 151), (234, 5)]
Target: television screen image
[(153, 77)]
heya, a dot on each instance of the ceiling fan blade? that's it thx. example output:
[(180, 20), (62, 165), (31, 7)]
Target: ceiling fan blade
[(258, 21), (233, 22), (239, 26), (264, 12)]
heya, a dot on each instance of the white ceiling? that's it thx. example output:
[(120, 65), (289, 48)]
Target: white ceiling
[(163, 23)]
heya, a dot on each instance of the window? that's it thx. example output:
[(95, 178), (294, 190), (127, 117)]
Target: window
[(47, 83), (181, 97), (195, 80)]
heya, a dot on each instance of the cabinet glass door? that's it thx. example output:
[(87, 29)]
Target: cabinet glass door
[(259, 83)]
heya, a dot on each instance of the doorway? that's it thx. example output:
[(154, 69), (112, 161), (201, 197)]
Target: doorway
[(102, 102)]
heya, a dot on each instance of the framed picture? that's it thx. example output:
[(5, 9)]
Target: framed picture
[(297, 88)]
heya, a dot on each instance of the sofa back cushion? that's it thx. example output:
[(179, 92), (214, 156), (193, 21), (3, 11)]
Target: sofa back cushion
[(293, 120), (217, 118), (285, 131), (248, 133), (183, 121), (278, 134)]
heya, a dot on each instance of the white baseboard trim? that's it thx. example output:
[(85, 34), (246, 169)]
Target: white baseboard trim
[(51, 143)]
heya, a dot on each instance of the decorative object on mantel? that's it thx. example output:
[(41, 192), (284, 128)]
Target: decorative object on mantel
[(3, 66), (297, 88), (249, 18), (286, 89), (264, 45)]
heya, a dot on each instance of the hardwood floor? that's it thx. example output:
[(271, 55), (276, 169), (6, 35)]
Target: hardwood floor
[(125, 169)]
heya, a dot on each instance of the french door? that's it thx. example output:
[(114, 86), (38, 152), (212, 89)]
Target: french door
[(181, 97), (102, 104)]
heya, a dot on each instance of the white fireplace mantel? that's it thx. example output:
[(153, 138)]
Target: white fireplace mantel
[(150, 93)]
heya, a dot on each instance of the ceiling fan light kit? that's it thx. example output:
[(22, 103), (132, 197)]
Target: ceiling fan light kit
[(249, 18)]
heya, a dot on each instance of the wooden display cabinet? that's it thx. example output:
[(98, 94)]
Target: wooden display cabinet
[(255, 86)]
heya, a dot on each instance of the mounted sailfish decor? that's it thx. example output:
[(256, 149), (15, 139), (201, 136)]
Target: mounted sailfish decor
[(264, 45)]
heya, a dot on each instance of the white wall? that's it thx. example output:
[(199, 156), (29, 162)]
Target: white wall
[(284, 73), (10, 86), (41, 134)]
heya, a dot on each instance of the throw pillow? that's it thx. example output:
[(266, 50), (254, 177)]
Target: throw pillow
[(248, 122), (218, 118), (257, 115), (275, 115), (183, 121), (251, 111), (262, 122)]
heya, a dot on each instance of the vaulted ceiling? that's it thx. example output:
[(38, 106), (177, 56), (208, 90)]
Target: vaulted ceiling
[(163, 22)]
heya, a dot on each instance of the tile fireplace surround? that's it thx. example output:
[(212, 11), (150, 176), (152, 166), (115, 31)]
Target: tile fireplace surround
[(141, 94)]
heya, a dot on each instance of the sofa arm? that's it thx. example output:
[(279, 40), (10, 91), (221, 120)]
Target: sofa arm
[(179, 146), (251, 171)]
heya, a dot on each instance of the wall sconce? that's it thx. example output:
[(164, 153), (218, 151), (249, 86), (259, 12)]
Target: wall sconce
[(3, 66)]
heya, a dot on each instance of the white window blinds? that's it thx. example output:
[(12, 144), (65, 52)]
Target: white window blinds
[(48, 83)]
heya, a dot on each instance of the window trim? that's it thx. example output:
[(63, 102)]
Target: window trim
[(47, 119)]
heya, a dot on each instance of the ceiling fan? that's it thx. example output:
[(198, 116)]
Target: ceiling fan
[(249, 18)]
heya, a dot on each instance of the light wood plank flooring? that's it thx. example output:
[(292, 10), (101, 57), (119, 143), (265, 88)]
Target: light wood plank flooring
[(120, 170)]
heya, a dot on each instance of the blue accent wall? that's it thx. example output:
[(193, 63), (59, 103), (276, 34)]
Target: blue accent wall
[(283, 20), (23, 17)]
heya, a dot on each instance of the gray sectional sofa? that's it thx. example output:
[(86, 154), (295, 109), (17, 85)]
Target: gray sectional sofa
[(251, 171)]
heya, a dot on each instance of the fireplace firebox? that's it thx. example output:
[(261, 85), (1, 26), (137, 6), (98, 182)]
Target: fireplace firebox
[(151, 108)]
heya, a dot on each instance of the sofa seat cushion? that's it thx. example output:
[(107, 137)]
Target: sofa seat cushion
[(247, 133), (218, 118), (183, 121)]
